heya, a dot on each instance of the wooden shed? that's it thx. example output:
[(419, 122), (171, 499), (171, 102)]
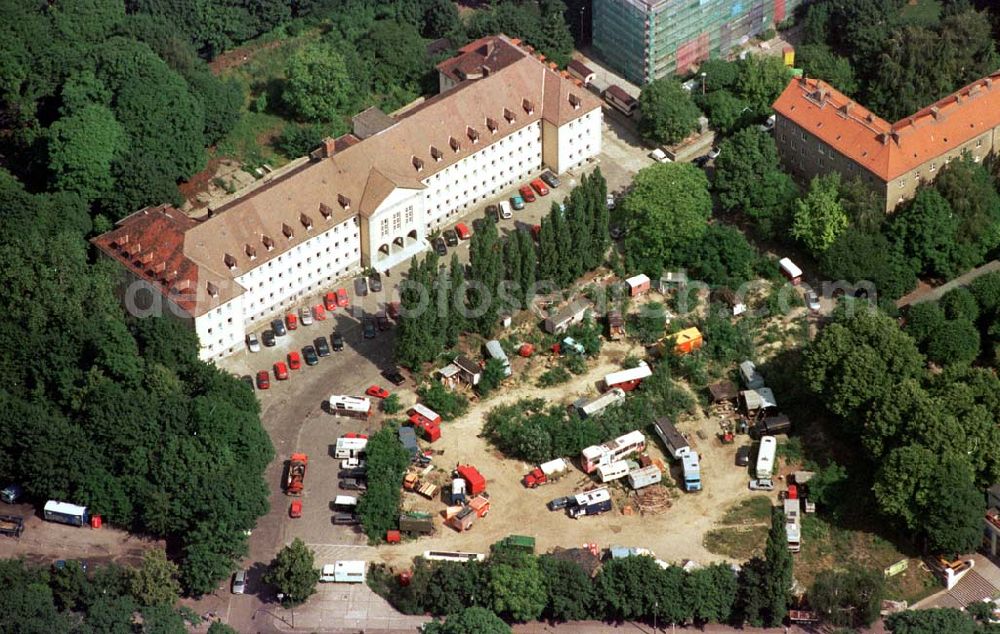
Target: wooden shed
[(687, 341)]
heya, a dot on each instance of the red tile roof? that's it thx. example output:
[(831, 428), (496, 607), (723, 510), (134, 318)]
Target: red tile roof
[(891, 150)]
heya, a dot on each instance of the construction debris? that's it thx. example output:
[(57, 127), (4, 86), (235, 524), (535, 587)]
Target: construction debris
[(652, 500)]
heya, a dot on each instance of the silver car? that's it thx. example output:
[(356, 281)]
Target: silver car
[(306, 316), (253, 343), (761, 484), (812, 301), (240, 582)]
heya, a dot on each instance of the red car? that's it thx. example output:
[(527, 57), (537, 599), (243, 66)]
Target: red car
[(330, 301), (377, 392), (527, 193), (540, 187), (294, 360), (263, 380), (281, 371), (319, 313), (295, 510), (352, 434), (463, 231), (292, 321), (342, 297)]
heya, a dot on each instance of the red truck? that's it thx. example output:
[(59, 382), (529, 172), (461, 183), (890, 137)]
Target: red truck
[(296, 474), (475, 480), (545, 473)]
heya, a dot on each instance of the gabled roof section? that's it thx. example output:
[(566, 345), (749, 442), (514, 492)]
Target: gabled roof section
[(377, 189), (891, 150), (481, 58)]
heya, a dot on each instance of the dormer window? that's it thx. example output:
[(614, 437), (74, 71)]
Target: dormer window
[(528, 106), (574, 101), (509, 115), (213, 290), (326, 211), (473, 134), (230, 261), (344, 201), (306, 221), (492, 125), (436, 154), (455, 145), (268, 242), (286, 230), (418, 164), (251, 251)]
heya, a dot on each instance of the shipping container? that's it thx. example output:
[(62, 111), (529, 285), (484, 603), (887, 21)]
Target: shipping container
[(472, 477), (791, 272), (421, 413), (495, 351), (447, 555), (637, 285)]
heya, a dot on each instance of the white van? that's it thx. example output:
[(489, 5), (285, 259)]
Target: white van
[(505, 211)]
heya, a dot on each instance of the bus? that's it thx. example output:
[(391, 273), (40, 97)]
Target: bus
[(613, 451), (449, 555)]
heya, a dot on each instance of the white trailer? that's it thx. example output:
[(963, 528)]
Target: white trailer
[(350, 447), (554, 467), (765, 457), (674, 441), (644, 477), (65, 513), (495, 350), (613, 471), (353, 406), (450, 555), (343, 572), (597, 455), (793, 525), (627, 380), (587, 407)]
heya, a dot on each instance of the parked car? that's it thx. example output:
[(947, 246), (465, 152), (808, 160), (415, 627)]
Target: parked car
[(368, 328), (762, 484), (352, 463), (540, 187), (350, 484), (617, 232), (440, 247), (309, 354), (295, 509), (609, 201), (360, 286), (527, 193), (281, 371), (394, 376), (451, 238), (345, 519), (263, 380), (267, 337), (319, 312), (305, 316), (330, 300), (246, 378), (278, 327), (768, 125), (240, 582), (659, 156), (463, 231), (714, 153), (505, 211), (383, 321), (701, 161), (517, 202), (294, 360), (322, 347), (342, 300), (337, 341), (252, 342), (559, 503), (358, 473), (377, 391), (493, 211), (743, 456), (812, 301), (292, 321), (375, 282), (550, 179)]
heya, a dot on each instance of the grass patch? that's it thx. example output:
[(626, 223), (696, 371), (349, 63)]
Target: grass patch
[(243, 143), (925, 13), (738, 542), (754, 510)]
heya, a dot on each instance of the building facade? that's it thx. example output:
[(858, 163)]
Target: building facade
[(645, 40), (369, 198), (818, 130)]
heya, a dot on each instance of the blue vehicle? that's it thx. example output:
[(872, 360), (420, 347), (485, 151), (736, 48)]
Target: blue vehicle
[(517, 202)]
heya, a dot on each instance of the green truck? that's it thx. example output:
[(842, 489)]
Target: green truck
[(520, 542)]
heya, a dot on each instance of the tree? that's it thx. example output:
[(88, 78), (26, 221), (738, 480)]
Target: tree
[(293, 573), (218, 627), (752, 592), (931, 621), (450, 405), (441, 19), (850, 598), (856, 256), (726, 112), (761, 79), (378, 508), (391, 404), (818, 60), (959, 303), (926, 232), (722, 257), (778, 583), (748, 179), (973, 198), (818, 218), (668, 114), (711, 592), (486, 263), (472, 619), (668, 206), (625, 586), (458, 311), (398, 58), (953, 514), (955, 342), (493, 374), (570, 591), (82, 148), (518, 592), (317, 84), (600, 239), (155, 582), (526, 274), (855, 360)]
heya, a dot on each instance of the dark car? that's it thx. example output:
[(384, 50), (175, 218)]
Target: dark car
[(559, 503), (493, 211), (550, 179), (701, 161), (350, 484), (451, 238), (360, 286), (383, 321), (278, 326), (394, 376), (310, 356), (440, 247), (267, 338), (356, 473), (375, 282), (368, 328), (322, 347), (249, 381), (345, 519), (337, 341), (742, 456)]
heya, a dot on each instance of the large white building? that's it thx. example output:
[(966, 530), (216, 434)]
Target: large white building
[(365, 199)]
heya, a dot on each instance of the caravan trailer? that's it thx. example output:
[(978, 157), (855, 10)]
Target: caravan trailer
[(765, 457)]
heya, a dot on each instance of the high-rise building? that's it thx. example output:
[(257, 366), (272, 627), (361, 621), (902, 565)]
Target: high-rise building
[(645, 40)]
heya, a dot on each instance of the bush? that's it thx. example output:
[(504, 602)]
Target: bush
[(555, 376), (450, 405), (391, 405)]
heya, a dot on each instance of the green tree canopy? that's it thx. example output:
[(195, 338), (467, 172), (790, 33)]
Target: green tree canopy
[(819, 217), (668, 113), (856, 256), (850, 598), (155, 582), (317, 85), (472, 619), (82, 148), (293, 572)]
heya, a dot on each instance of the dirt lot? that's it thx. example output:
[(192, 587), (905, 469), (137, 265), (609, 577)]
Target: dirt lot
[(675, 535)]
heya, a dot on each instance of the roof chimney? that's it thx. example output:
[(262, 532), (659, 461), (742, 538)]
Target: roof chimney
[(845, 109), (490, 47), (213, 290), (329, 146), (473, 133), (230, 261), (574, 101), (485, 70), (418, 163), (492, 125)]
